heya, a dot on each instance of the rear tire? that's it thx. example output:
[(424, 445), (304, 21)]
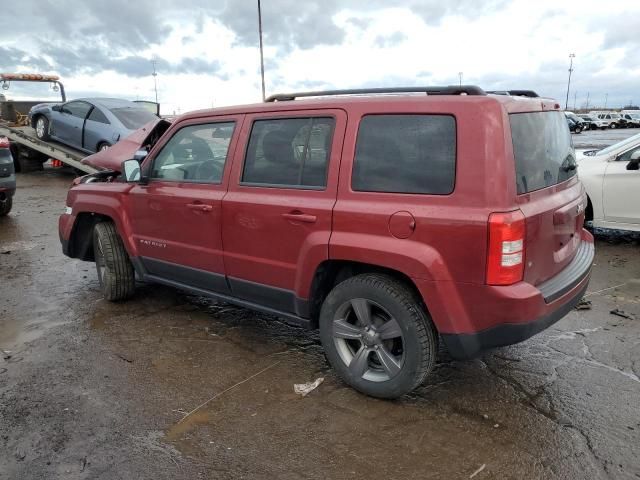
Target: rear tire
[(5, 206), (103, 146), (612, 126), (42, 128), (115, 271), (389, 354)]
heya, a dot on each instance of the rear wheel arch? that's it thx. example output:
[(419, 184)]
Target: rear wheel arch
[(588, 214), (333, 272)]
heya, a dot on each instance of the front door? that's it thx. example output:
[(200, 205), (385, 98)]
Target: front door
[(277, 213), (621, 190), (177, 214)]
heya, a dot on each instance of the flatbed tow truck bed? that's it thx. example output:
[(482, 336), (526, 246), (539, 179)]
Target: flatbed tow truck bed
[(26, 137)]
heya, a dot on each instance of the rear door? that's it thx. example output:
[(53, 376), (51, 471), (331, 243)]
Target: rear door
[(176, 216), (621, 190), (277, 213), (549, 193), (70, 123), (97, 129)]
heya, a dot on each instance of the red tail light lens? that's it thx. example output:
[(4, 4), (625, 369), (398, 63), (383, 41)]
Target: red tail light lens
[(4, 142), (505, 258)]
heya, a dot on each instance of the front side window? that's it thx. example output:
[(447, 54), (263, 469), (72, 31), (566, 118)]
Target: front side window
[(196, 153), (542, 149), (292, 152), (77, 109), (405, 154)]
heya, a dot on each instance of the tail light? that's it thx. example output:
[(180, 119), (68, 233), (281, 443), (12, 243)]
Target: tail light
[(505, 258), (4, 142)]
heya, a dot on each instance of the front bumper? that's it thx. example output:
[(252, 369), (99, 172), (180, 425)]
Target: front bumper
[(472, 318)]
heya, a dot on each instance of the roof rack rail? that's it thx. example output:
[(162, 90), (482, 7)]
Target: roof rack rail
[(448, 90), (515, 93)]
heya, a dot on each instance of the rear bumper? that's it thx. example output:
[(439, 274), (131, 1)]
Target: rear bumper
[(472, 318), (8, 186)]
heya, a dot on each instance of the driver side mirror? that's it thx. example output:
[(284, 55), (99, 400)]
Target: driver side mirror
[(634, 161), (57, 108), (131, 170)]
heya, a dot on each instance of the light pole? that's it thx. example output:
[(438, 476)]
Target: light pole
[(155, 82), (261, 53), (460, 75), (606, 99), (571, 57)]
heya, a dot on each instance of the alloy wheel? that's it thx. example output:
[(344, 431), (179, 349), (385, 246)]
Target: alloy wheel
[(368, 340)]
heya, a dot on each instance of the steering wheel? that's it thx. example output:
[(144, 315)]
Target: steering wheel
[(209, 170)]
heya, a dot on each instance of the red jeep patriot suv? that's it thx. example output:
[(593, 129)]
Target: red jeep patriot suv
[(387, 218)]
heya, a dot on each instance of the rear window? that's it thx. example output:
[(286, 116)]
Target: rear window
[(542, 149), (133, 118), (405, 154)]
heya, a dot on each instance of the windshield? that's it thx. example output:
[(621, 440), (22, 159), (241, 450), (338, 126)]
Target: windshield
[(133, 118), (617, 146), (542, 149)]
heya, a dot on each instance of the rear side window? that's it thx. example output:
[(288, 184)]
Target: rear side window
[(405, 154), (542, 149), (97, 116), (292, 152)]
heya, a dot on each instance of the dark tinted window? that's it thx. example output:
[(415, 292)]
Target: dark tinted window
[(196, 153), (292, 152), (133, 118), (542, 149), (77, 109), (97, 116), (405, 154)]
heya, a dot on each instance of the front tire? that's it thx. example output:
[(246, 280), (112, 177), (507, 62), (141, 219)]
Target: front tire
[(103, 146), (377, 336), (42, 128), (115, 271), (5, 206)]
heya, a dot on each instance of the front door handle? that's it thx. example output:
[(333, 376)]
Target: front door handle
[(201, 207), (297, 216)]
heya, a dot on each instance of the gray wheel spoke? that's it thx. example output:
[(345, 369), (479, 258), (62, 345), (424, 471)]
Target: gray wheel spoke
[(360, 362), (362, 309), (388, 361), (390, 329), (342, 329)]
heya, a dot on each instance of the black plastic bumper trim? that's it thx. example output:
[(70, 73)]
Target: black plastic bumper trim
[(571, 275), (464, 346)]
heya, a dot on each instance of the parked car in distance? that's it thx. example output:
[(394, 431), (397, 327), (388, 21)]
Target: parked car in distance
[(612, 181), (593, 122), (609, 119), (574, 127), (7, 177), (579, 121), (89, 124), (373, 217), (632, 120)]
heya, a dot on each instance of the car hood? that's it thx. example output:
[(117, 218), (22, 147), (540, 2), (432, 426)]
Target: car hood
[(112, 158)]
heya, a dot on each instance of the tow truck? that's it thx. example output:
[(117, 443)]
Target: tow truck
[(29, 152)]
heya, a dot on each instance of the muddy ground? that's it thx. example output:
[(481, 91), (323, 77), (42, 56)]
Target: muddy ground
[(96, 390)]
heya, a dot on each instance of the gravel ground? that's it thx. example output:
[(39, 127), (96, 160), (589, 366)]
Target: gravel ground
[(95, 390)]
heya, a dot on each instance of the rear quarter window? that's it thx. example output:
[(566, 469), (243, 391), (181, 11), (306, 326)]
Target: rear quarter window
[(405, 154), (542, 150)]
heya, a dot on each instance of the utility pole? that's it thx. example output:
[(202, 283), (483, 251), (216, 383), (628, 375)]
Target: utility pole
[(588, 100), (575, 95), (155, 82), (261, 52), (460, 75), (571, 57), (606, 99)]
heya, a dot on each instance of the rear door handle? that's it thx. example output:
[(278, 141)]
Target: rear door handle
[(201, 207), (297, 216)]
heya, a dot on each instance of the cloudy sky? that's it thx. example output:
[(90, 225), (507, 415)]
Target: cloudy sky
[(207, 50)]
